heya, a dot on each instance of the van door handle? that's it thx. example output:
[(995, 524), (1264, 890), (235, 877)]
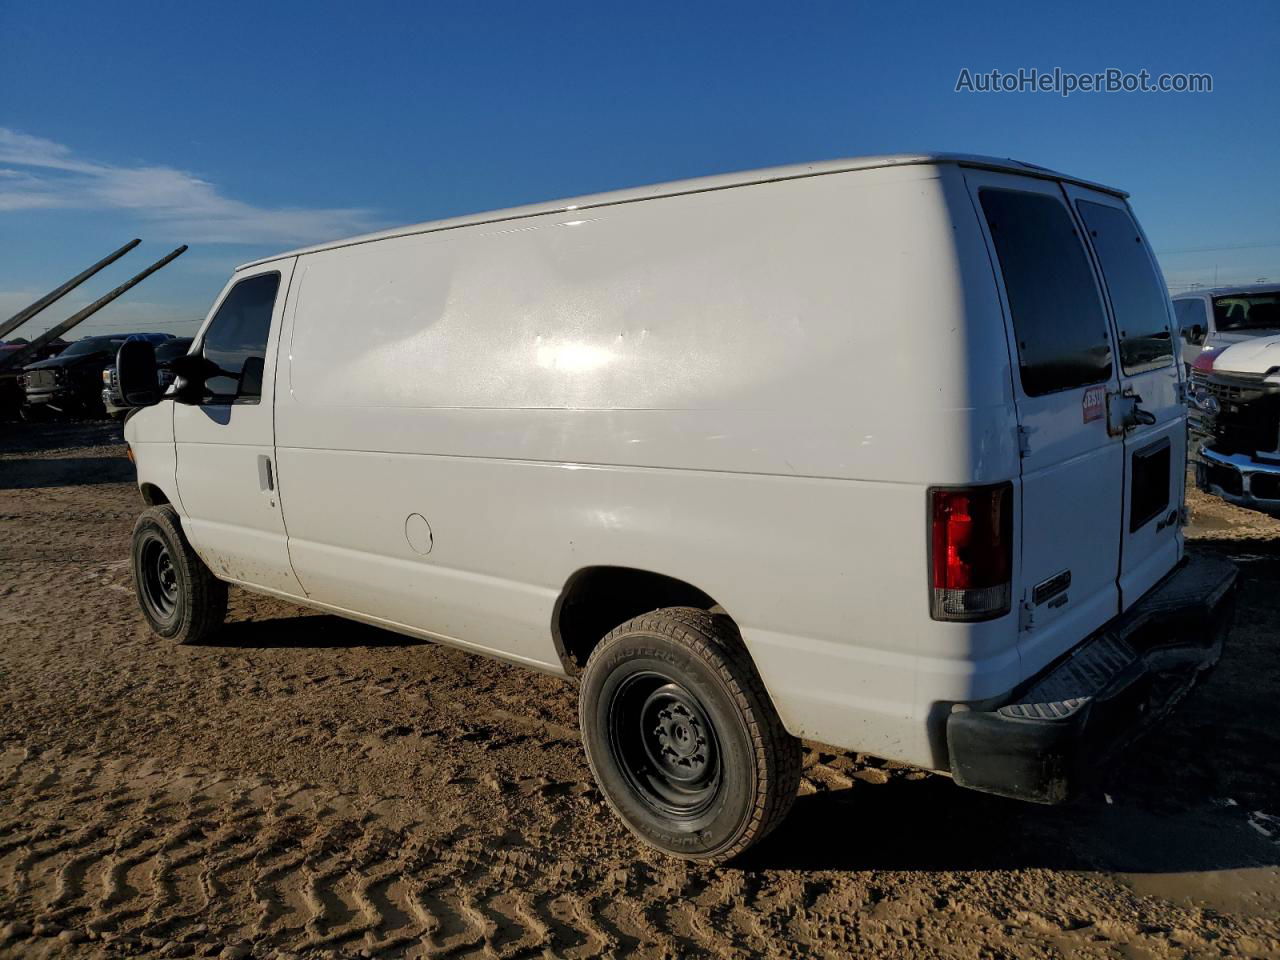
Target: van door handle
[(1135, 416), (1123, 413), (265, 480)]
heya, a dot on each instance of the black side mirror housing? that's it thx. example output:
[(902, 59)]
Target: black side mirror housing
[(1193, 334), (136, 369), (189, 373), (251, 377)]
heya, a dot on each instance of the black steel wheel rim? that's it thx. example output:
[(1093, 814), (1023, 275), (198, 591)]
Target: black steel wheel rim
[(159, 578), (665, 745)]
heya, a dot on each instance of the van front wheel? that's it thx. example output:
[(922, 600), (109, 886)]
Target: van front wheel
[(181, 599), (682, 737)]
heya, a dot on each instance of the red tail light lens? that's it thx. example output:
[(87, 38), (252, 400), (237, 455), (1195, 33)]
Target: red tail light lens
[(971, 551)]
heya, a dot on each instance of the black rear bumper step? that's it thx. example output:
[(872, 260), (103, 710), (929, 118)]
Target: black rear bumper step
[(1088, 705)]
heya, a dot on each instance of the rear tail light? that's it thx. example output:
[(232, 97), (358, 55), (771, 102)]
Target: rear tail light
[(971, 551)]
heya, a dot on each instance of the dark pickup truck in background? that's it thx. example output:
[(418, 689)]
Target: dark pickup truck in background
[(166, 353), (11, 395), (71, 383)]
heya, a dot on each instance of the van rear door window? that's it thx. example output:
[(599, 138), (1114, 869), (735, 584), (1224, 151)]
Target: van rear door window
[(1137, 293), (236, 341), (1058, 319)]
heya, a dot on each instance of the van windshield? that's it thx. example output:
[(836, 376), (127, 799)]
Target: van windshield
[(1247, 311)]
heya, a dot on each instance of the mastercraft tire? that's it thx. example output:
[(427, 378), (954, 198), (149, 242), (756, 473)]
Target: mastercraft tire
[(180, 598), (682, 737)]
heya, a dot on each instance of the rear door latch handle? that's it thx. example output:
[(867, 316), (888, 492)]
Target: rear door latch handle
[(1123, 413)]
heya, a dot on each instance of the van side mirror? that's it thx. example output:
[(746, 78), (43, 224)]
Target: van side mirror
[(251, 377), (189, 373), (1193, 334), (136, 369)]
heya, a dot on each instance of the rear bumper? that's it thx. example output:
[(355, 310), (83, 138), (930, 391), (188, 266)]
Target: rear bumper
[(1082, 710), (1239, 479)]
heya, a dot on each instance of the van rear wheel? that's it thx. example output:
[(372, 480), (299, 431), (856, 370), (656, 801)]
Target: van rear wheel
[(682, 737), (181, 599)]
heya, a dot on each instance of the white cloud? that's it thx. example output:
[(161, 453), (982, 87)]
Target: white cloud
[(188, 208), (22, 191)]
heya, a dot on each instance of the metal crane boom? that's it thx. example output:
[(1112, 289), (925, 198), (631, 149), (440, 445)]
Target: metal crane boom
[(25, 314), (17, 359)]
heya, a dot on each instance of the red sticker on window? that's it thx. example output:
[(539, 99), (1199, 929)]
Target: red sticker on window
[(1095, 403)]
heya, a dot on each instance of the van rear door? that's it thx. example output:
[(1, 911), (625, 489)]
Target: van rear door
[(1148, 411), (1063, 353)]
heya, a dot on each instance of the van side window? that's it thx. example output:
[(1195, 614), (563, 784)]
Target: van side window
[(236, 341), (1062, 335), (1137, 293)]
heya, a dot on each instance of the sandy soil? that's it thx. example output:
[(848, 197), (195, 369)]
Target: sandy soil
[(304, 786)]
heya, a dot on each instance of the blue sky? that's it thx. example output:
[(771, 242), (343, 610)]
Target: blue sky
[(246, 129)]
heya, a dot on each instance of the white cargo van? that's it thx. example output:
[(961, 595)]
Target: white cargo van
[(884, 453)]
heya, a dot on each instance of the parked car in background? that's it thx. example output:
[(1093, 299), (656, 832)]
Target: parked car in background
[(11, 395), (1216, 318), (166, 353), (618, 438), (1237, 402), (71, 383), (51, 349)]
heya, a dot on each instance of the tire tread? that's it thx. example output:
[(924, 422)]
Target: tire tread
[(715, 640), (205, 607)]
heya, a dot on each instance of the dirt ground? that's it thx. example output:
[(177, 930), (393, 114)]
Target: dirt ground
[(305, 786)]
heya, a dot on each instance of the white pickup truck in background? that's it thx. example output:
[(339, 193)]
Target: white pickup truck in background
[(1213, 319), (1236, 407)]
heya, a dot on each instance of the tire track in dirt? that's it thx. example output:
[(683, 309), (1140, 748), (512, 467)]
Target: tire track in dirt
[(123, 850), (155, 856)]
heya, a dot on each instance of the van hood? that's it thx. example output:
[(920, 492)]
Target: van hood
[(1257, 355)]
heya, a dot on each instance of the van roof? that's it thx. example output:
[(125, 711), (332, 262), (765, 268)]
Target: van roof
[(700, 185), (1228, 290)]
